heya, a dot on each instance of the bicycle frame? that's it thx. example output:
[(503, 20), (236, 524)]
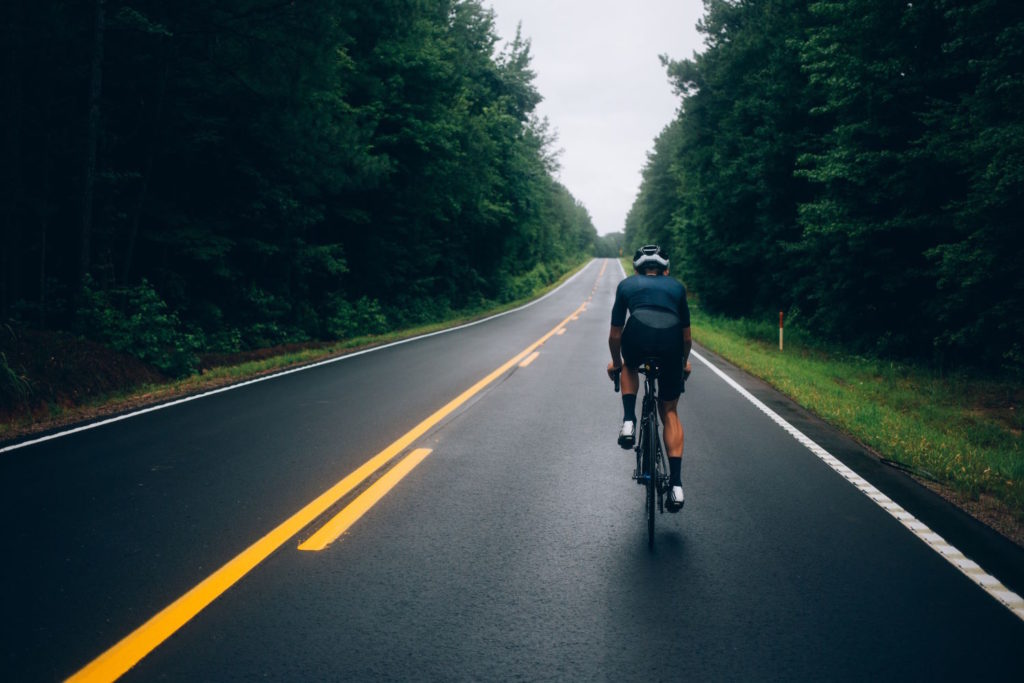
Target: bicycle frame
[(652, 467)]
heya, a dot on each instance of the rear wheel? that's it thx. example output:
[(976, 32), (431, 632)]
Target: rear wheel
[(651, 473)]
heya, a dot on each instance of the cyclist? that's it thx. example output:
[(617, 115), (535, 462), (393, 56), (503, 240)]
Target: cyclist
[(658, 325)]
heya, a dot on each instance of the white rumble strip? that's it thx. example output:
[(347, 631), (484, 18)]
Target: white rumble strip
[(967, 567)]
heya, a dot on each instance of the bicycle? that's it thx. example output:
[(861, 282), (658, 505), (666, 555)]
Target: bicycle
[(651, 465)]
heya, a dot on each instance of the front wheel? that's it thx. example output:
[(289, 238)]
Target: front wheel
[(651, 473)]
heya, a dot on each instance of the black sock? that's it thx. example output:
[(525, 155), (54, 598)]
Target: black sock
[(674, 476), (629, 407)]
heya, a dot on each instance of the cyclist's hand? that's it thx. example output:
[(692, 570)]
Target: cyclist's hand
[(687, 370), (613, 371)]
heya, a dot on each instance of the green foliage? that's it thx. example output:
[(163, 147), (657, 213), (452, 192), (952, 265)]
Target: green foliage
[(364, 317), (612, 245), (860, 162), (136, 320), (968, 439), (651, 219), (278, 172), (525, 284), (14, 386)]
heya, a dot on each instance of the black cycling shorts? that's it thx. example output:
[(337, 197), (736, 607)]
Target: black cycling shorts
[(656, 334)]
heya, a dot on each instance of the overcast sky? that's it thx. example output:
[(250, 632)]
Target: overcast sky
[(605, 92)]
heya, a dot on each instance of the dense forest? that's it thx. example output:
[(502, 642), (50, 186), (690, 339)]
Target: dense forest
[(231, 174), (856, 163), (611, 245)]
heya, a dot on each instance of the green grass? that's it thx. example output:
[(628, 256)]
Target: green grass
[(961, 431)]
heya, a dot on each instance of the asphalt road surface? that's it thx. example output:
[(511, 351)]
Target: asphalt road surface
[(515, 549)]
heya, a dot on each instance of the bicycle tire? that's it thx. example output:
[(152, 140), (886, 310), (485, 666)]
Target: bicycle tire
[(651, 471)]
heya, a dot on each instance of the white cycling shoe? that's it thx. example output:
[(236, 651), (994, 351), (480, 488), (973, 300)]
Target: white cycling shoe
[(627, 435), (675, 500)]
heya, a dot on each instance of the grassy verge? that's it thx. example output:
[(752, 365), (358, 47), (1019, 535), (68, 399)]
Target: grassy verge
[(51, 416), (961, 432)]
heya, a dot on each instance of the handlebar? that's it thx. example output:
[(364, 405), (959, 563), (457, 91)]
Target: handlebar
[(618, 374)]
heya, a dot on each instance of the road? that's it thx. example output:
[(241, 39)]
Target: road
[(514, 550)]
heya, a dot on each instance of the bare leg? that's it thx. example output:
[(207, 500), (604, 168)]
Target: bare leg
[(629, 382), (674, 445), (673, 430)]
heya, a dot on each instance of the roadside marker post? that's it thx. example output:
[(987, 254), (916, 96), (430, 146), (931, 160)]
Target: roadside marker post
[(780, 330)]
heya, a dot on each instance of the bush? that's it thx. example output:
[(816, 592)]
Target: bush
[(14, 386), (419, 311), (523, 285), (136, 320), (346, 320)]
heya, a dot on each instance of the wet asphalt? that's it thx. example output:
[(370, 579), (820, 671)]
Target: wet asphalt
[(516, 550)]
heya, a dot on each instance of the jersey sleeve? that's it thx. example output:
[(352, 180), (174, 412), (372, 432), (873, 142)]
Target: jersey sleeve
[(684, 310), (619, 307)]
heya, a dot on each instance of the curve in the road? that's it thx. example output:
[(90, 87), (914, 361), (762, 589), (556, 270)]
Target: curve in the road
[(239, 385)]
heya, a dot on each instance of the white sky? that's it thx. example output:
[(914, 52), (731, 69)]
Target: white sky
[(605, 92)]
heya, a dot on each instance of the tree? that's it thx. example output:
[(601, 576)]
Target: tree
[(976, 134), (870, 222), (274, 171), (858, 162), (741, 127)]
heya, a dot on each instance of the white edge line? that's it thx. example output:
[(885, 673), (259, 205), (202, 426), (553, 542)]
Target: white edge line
[(951, 554), (186, 399), (965, 566)]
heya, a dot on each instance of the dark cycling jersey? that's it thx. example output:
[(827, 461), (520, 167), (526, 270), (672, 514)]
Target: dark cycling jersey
[(650, 292), (657, 315)]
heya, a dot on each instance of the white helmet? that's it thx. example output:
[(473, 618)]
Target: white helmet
[(650, 255)]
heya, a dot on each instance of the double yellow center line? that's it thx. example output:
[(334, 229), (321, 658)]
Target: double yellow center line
[(113, 663)]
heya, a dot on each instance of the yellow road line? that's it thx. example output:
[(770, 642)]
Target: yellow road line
[(113, 663), (529, 359), (340, 523), (561, 331)]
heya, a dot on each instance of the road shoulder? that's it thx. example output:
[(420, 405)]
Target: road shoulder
[(1000, 554)]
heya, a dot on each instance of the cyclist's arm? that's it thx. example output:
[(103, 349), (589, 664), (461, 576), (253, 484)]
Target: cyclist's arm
[(684, 311), (687, 346), (619, 310), (615, 345)]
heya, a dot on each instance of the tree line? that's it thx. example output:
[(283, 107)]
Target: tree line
[(857, 163), (230, 174)]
